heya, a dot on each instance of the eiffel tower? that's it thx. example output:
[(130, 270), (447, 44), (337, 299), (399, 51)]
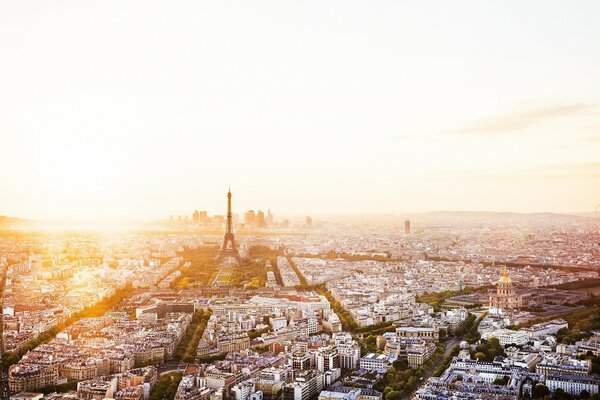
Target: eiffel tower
[(229, 249)]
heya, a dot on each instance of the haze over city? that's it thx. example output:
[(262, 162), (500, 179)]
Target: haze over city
[(138, 110), (299, 200)]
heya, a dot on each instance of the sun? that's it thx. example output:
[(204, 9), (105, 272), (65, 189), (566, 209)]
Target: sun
[(75, 178)]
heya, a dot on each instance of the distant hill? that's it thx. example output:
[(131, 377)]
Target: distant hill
[(12, 222), (494, 214), (8, 220), (483, 217)]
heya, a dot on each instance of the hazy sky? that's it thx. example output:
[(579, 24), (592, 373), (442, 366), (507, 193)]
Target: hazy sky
[(113, 109)]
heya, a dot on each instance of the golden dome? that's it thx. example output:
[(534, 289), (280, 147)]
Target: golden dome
[(505, 279)]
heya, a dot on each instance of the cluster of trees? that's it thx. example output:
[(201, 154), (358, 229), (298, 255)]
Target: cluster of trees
[(253, 267), (166, 387), (533, 309), (369, 329), (566, 335), (301, 277), (62, 388), (349, 324), (202, 269), (560, 394), (582, 284), (211, 359), (253, 271), (594, 359), (264, 252), (369, 345), (277, 272), (540, 391), (378, 329), (370, 335), (437, 299), (501, 381), (358, 257), (104, 306), (468, 329), (96, 310), (400, 380), (584, 322), (186, 350), (591, 301), (581, 323), (465, 326), (489, 350), (444, 365)]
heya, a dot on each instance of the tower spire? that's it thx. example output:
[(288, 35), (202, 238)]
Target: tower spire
[(229, 214)]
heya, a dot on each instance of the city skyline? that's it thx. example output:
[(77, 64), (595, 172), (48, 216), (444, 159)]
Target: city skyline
[(299, 200), (304, 108)]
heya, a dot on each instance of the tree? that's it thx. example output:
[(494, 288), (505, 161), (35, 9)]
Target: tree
[(584, 394), (560, 394), (394, 395), (400, 364), (540, 391), (371, 343), (490, 349), (501, 381)]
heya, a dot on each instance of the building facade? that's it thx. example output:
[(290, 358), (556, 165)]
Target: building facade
[(505, 297)]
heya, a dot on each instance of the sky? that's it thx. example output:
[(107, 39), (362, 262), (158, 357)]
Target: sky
[(142, 109)]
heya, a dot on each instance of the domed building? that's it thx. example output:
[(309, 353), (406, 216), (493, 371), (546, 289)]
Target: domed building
[(505, 297)]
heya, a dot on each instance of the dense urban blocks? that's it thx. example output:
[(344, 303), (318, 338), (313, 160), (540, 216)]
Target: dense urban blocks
[(287, 321)]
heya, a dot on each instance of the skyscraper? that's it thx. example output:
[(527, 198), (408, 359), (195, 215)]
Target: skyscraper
[(250, 218), (407, 226), (260, 219), (203, 217)]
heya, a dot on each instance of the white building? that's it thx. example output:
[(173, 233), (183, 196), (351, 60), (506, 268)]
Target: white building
[(278, 323), (328, 395), (243, 390), (573, 384), (374, 361), (327, 359), (349, 355), (507, 336), (544, 329)]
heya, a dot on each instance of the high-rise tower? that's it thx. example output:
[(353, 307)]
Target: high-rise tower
[(229, 249)]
